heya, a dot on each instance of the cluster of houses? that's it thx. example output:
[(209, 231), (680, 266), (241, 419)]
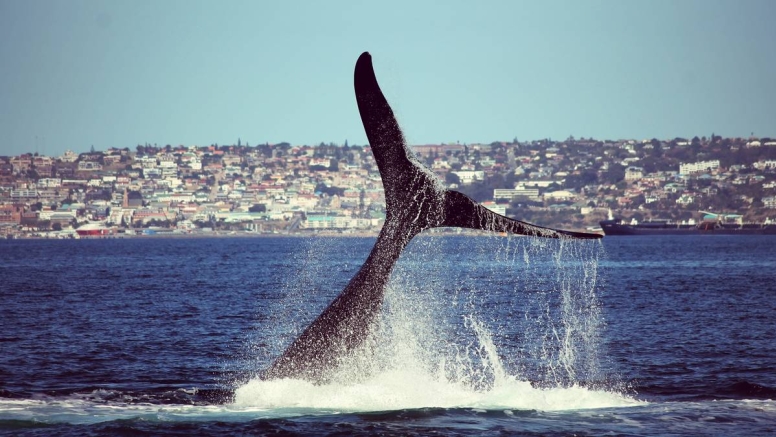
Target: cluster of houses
[(295, 189)]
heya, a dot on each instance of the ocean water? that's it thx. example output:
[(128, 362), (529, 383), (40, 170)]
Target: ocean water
[(478, 336)]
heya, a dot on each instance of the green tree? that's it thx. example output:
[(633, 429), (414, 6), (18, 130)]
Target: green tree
[(452, 178), (615, 174), (577, 181)]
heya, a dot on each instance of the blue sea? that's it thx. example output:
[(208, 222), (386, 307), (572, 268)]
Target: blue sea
[(478, 336)]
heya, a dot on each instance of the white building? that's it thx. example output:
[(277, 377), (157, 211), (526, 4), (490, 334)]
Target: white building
[(633, 173), (506, 193), (69, 156), (541, 183), (468, 176), (764, 164), (697, 167), (49, 182), (560, 195), (493, 206), (24, 194), (89, 166)]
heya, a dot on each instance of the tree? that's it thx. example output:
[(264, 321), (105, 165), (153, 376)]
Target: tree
[(616, 173), (695, 145), (452, 178), (577, 181), (478, 191), (496, 181), (657, 148), (98, 195), (259, 207), (158, 223), (331, 191)]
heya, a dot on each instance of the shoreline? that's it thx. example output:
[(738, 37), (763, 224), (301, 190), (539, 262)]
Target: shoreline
[(232, 234)]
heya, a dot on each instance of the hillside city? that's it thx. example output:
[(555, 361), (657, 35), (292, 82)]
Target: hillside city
[(283, 189)]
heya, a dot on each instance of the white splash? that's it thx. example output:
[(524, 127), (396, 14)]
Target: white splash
[(406, 389), (434, 344)]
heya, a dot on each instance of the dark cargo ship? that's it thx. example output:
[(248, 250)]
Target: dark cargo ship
[(711, 224)]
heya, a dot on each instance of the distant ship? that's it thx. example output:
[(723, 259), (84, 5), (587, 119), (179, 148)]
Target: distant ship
[(711, 224), (94, 229)]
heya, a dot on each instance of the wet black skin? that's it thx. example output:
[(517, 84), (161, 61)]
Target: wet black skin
[(414, 201)]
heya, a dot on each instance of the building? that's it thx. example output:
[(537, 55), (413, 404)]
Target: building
[(506, 193), (468, 176), (493, 206), (633, 174), (697, 167), (69, 156), (89, 166)]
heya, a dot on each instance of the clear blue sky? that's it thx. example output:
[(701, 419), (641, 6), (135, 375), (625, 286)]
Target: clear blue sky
[(119, 73)]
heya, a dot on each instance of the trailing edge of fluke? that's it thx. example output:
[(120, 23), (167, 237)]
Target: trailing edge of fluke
[(415, 200)]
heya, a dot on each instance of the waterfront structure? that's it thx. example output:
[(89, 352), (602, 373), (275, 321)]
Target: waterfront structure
[(280, 182)]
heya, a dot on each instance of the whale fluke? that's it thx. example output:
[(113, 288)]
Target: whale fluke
[(415, 200)]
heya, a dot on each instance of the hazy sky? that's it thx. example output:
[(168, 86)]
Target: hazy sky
[(118, 73)]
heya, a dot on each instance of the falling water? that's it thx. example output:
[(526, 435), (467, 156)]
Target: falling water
[(488, 322)]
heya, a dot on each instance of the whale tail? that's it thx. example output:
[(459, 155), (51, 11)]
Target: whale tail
[(415, 198)]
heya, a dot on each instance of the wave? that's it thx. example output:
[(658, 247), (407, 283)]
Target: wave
[(293, 398), (78, 417), (401, 390)]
